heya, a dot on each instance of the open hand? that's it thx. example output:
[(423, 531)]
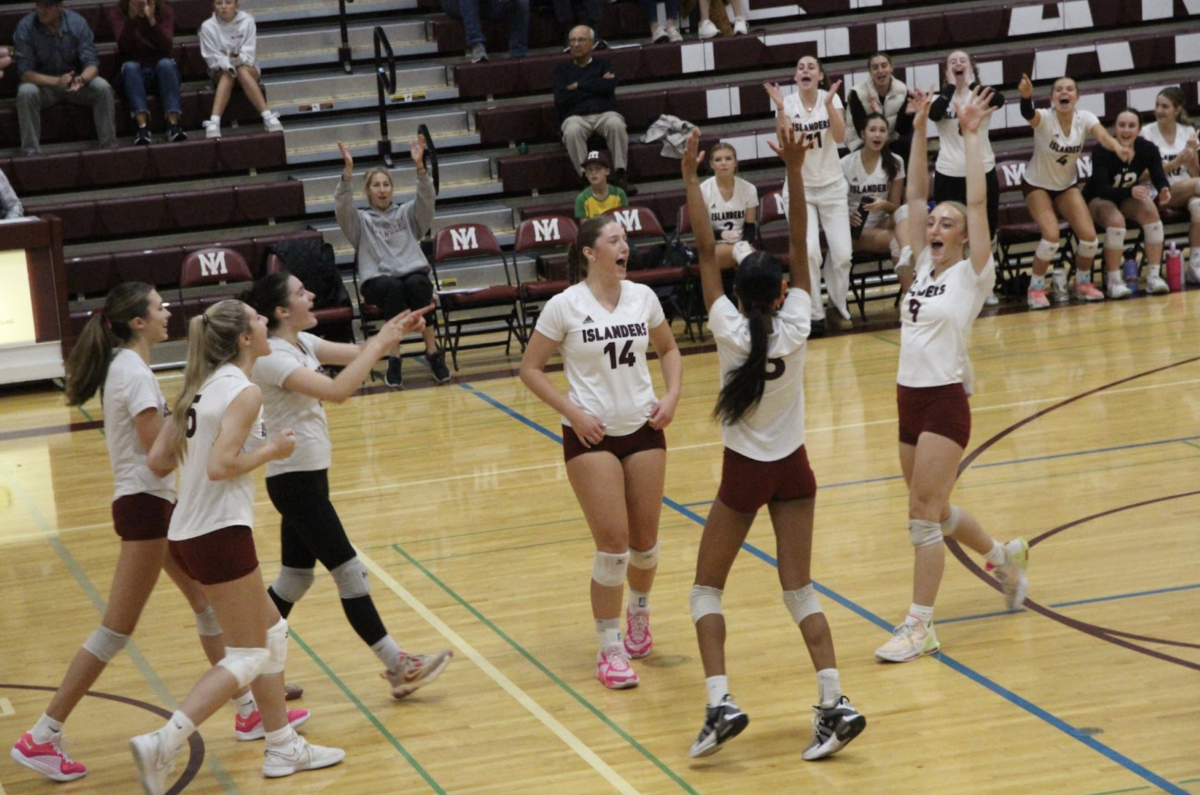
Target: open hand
[(692, 157)]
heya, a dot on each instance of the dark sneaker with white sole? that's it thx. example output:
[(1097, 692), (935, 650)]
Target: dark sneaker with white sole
[(721, 723)]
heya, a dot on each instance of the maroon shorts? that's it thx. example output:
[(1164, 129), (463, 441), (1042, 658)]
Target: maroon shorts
[(747, 484), (141, 517), (1027, 189), (644, 438), (944, 410), (221, 556)]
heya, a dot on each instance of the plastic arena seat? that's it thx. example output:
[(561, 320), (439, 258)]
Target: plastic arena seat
[(195, 209), (268, 200), (196, 155), (115, 166), (539, 237), (47, 173), (132, 215), (245, 152)]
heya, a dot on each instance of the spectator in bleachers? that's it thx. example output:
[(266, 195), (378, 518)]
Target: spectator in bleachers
[(10, 205), (586, 100), (880, 93), (1059, 133), (145, 34), (876, 178), (659, 33), (57, 62), (472, 11), (228, 40), (708, 30), (598, 197), (1172, 132), (392, 269), (1113, 194), (731, 203), (6, 60), (816, 109), (567, 17)]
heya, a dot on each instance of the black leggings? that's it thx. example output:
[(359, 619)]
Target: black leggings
[(310, 530)]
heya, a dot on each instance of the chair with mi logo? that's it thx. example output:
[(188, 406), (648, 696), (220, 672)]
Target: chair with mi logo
[(539, 236), (479, 311), (220, 273), (669, 281)]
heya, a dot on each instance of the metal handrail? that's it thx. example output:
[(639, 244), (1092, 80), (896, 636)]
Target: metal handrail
[(385, 79), (344, 49)]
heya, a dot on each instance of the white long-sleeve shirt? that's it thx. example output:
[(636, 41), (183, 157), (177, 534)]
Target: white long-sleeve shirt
[(223, 42)]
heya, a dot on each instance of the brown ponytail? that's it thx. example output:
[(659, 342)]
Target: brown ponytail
[(107, 328)]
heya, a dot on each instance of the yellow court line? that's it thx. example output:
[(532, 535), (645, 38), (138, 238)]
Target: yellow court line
[(519, 695)]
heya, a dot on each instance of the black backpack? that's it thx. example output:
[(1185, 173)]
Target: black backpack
[(311, 261)]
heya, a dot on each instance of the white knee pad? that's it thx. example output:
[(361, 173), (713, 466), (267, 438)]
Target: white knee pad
[(277, 638), (351, 579), (802, 603), (923, 533), (244, 664), (292, 584), (207, 624), (1152, 233), (1114, 237), (644, 560), (1194, 205), (1046, 250), (705, 601), (950, 524), (1087, 248), (104, 644), (609, 569)]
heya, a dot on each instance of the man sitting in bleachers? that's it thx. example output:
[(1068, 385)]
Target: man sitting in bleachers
[(585, 97), (57, 62)]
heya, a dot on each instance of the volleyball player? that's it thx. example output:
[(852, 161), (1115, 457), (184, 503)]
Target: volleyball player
[(876, 178), (1172, 132), (1059, 133), (761, 344), (816, 109), (217, 439), (1113, 194), (732, 203), (294, 387), (954, 271), (613, 440)]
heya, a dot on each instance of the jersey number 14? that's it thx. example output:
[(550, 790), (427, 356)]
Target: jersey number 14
[(627, 356)]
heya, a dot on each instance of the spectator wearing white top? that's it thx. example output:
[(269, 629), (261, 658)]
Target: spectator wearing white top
[(1172, 132), (880, 93), (229, 43), (876, 178), (731, 202)]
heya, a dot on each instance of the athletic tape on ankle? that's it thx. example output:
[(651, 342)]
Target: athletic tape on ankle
[(1087, 248), (1114, 237), (609, 569), (207, 623), (244, 664), (1046, 250), (950, 523), (923, 533), (705, 600), (802, 603), (104, 644), (644, 560), (1152, 233), (352, 579), (277, 638), (292, 583)]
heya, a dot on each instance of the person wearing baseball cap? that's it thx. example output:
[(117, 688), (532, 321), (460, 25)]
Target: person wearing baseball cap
[(598, 197)]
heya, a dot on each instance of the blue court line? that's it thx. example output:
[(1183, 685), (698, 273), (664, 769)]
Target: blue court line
[(1128, 595), (1095, 451), (1091, 742)]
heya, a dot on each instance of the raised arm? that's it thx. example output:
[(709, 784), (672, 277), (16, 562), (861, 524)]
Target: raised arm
[(343, 199), (837, 121), (1025, 87), (917, 198), (705, 241), (971, 113), (793, 147), (422, 207)]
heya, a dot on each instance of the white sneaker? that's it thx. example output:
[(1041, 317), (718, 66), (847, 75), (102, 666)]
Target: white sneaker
[(1156, 285), (1191, 273), (1014, 583), (212, 129), (673, 34), (1058, 288), (991, 300), (271, 122), (154, 761), (658, 34), (707, 30), (416, 670), (297, 756), (1117, 291), (909, 641), (739, 27)]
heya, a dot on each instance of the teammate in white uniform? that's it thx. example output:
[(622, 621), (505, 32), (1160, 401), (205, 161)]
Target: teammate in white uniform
[(1059, 133), (761, 344), (876, 179), (732, 203), (133, 320), (613, 439), (294, 388), (216, 432), (818, 113), (934, 380), (1177, 142)]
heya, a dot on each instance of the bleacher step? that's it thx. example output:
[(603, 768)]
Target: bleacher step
[(320, 46), (339, 91), (466, 176), (316, 142), (281, 10)]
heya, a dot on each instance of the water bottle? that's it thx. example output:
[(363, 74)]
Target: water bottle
[(1130, 271), (861, 212), (1174, 269)]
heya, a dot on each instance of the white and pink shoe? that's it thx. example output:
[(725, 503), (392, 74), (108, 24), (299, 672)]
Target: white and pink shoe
[(613, 668), (251, 726), (638, 640), (47, 758)]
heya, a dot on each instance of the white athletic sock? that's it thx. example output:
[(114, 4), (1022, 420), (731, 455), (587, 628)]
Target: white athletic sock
[(245, 704), (266, 114), (281, 737), (996, 555), (639, 600), (45, 728), (829, 686), (608, 631), (177, 730), (718, 688), (1114, 277), (387, 651), (215, 119), (1037, 282), (1082, 276), (1152, 271), (1196, 258), (919, 614)]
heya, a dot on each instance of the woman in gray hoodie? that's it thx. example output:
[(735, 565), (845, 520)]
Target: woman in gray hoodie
[(393, 272)]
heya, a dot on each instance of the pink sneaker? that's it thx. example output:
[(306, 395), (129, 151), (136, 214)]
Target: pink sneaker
[(1037, 299), (47, 758), (613, 668), (251, 726), (638, 640), (1086, 291)]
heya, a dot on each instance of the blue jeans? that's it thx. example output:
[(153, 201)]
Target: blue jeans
[(650, 9), (515, 11), (162, 78), (565, 14)]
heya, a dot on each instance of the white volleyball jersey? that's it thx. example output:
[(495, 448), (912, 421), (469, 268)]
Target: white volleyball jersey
[(1169, 151), (821, 166), (951, 157), (729, 217), (1054, 152), (207, 505), (936, 317), (863, 185), (283, 408), (604, 353), (129, 389), (775, 428)]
